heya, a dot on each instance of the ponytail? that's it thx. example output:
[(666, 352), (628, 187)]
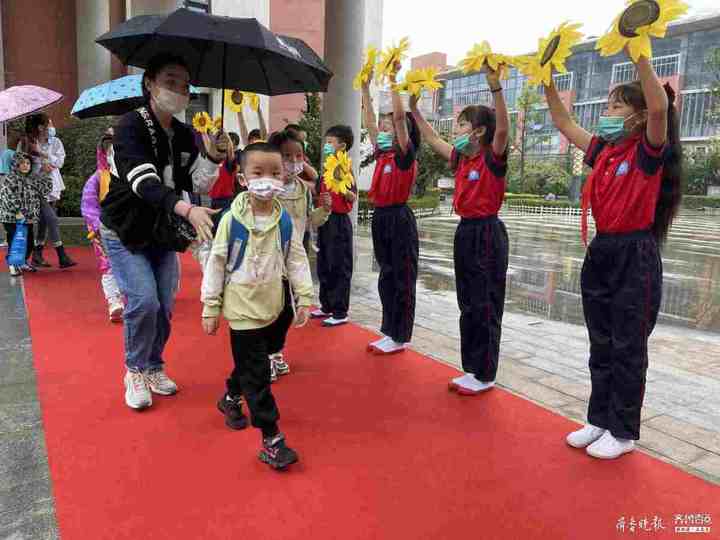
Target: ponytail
[(670, 196)]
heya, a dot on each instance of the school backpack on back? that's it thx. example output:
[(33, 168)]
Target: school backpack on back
[(238, 240)]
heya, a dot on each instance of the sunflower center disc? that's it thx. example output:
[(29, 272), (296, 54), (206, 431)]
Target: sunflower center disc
[(639, 14), (236, 97), (550, 50)]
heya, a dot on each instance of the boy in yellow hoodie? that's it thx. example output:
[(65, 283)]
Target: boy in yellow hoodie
[(297, 200), (254, 269)]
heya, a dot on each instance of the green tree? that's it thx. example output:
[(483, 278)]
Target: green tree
[(713, 61), (312, 124), (430, 167), (529, 114)]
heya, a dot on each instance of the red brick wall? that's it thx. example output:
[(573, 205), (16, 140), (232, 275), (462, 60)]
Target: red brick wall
[(304, 19), (40, 48)]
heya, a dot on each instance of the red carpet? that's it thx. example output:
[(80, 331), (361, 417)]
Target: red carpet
[(386, 452)]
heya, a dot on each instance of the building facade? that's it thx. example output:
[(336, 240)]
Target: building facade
[(680, 59)]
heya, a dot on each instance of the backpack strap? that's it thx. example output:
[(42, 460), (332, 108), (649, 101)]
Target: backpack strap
[(238, 240)]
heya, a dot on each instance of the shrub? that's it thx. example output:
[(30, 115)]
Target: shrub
[(697, 202)]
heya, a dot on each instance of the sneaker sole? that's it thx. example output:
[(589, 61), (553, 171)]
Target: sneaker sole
[(163, 392), (277, 466), (610, 457), (467, 392), (329, 325), (379, 352), (581, 446), (138, 407)]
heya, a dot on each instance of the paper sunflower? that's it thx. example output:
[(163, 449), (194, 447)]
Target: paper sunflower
[(235, 100), (363, 76), (338, 176), (390, 57), (552, 53), (252, 99), (636, 24), (418, 80), (482, 54), (202, 122), (217, 124)]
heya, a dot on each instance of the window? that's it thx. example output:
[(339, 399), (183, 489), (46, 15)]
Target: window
[(694, 117), (588, 114), (444, 125), (665, 66), (199, 103), (563, 83), (202, 6)]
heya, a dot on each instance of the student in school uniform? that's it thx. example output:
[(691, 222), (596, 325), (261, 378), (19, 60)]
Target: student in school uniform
[(478, 155), (394, 231), (634, 193)]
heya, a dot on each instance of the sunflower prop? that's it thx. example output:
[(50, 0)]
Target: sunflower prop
[(363, 76), (235, 100), (418, 80), (217, 125), (338, 173), (480, 55), (552, 53), (390, 57), (636, 24), (202, 122)]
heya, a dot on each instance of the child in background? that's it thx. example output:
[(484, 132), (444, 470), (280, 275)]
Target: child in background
[(225, 187), (297, 200), (394, 230), (93, 193), (254, 276), (478, 156), (335, 240), (634, 192), (22, 194)]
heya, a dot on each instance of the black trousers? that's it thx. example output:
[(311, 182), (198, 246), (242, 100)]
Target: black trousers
[(335, 264), (621, 291), (480, 252), (396, 247), (10, 232)]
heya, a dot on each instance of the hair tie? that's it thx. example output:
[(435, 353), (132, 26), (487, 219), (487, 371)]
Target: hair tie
[(670, 93)]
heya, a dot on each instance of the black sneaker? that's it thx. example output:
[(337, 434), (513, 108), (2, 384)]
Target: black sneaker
[(232, 409), (276, 453)]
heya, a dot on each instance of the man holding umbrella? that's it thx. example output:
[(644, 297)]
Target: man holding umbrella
[(144, 217)]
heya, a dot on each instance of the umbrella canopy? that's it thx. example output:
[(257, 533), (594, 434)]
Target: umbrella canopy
[(19, 101), (221, 52), (113, 98)]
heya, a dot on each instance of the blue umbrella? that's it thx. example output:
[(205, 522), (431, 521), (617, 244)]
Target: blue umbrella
[(113, 98)]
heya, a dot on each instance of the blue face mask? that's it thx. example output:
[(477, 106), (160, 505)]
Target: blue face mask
[(51, 132), (384, 140), (328, 150), (462, 143), (611, 128)]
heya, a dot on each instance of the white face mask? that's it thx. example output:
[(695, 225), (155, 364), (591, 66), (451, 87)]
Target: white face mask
[(293, 168), (265, 187), (170, 102)]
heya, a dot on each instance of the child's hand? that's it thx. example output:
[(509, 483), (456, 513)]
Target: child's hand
[(350, 196), (302, 316), (326, 201), (493, 77), (210, 325)]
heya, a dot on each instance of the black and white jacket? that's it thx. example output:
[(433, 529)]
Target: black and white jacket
[(150, 175)]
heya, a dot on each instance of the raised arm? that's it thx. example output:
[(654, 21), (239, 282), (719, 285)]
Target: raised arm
[(261, 124), (369, 112), (441, 147), (564, 122), (243, 128), (657, 103), (502, 118), (398, 114)]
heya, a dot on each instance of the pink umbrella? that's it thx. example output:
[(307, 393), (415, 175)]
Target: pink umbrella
[(19, 101)]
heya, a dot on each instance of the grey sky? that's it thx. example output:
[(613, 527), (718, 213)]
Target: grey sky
[(511, 26)]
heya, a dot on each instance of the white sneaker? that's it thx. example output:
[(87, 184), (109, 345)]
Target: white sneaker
[(14, 271), (160, 383), (372, 346), (137, 393), (332, 321), (468, 385), (281, 366), (116, 311), (608, 447), (585, 436), (319, 314), (273, 371), (390, 346)]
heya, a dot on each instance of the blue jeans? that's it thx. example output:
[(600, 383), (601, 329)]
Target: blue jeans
[(148, 278)]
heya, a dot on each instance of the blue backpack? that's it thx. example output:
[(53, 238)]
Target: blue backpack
[(238, 240)]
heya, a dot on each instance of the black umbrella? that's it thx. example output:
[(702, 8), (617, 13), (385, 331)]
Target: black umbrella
[(221, 52)]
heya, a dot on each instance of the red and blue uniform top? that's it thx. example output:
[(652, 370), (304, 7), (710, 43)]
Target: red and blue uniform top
[(394, 177), (623, 188), (479, 183)]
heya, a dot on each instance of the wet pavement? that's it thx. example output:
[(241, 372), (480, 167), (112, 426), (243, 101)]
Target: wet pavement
[(544, 348)]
